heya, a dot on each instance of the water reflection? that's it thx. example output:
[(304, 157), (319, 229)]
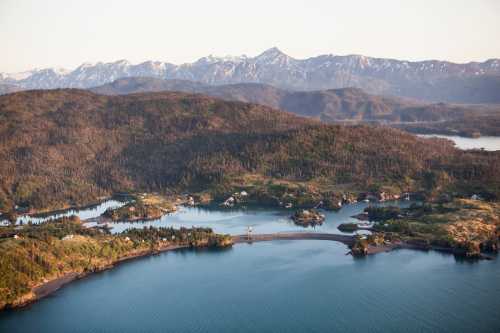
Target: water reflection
[(262, 220), (83, 214)]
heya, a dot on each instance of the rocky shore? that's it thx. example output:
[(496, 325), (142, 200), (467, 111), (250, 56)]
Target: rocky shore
[(253, 190), (468, 228), (49, 287)]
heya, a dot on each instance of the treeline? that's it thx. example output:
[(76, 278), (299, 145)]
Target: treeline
[(70, 147), (32, 254), (194, 237), (468, 125), (37, 252)]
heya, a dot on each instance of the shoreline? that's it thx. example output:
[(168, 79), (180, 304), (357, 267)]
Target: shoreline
[(42, 213), (372, 249), (48, 288), (47, 212)]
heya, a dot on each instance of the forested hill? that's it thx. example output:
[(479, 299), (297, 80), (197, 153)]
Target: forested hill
[(333, 106), (71, 146)]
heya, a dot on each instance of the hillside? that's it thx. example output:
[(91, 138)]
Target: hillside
[(140, 84), (432, 80), (69, 147), (336, 105)]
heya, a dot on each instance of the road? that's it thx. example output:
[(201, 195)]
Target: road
[(346, 239)]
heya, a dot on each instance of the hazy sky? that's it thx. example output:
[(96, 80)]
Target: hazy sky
[(66, 33)]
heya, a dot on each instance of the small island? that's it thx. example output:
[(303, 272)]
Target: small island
[(308, 217), (143, 207)]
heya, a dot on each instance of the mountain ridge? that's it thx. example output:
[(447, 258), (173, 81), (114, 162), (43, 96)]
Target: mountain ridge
[(433, 80), (334, 105)]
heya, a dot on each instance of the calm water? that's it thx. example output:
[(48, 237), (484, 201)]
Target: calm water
[(486, 142), (85, 213), (236, 222), (281, 286)]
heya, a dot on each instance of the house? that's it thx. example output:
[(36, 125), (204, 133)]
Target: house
[(229, 202)]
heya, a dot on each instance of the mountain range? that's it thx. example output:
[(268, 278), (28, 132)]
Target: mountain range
[(474, 82), (333, 105)]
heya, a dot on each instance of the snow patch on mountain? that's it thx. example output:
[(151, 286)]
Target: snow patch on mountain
[(376, 75)]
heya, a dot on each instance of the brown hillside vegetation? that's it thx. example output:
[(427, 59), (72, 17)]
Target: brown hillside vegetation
[(66, 147), (346, 104)]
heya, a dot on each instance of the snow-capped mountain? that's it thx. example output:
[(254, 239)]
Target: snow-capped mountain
[(432, 80)]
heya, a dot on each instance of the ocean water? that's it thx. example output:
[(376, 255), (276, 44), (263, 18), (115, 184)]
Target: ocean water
[(262, 220), (279, 286)]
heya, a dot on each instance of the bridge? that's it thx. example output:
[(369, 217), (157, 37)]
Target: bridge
[(249, 238)]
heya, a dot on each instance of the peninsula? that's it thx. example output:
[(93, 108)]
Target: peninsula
[(38, 259)]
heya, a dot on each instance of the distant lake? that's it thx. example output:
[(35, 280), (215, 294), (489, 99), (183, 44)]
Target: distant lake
[(279, 286), (490, 143)]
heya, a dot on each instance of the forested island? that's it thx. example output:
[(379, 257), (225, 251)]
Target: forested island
[(142, 207)]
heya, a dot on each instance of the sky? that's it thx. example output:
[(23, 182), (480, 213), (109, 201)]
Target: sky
[(67, 33)]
